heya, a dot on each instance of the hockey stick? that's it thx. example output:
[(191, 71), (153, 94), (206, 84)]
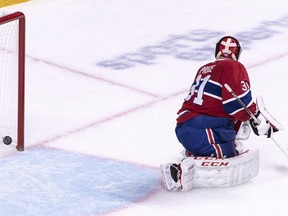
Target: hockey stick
[(278, 144), (252, 115)]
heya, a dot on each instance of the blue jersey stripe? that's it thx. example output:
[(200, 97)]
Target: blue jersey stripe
[(212, 89), (233, 106)]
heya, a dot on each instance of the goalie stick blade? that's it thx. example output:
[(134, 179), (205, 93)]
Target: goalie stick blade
[(266, 114)]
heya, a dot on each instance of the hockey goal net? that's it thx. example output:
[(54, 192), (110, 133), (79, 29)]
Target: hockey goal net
[(12, 68)]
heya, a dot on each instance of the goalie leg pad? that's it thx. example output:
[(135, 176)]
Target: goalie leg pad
[(186, 176), (212, 172), (170, 173), (178, 176), (197, 171)]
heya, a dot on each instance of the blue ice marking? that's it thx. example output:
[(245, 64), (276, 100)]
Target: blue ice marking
[(43, 181), (196, 45)]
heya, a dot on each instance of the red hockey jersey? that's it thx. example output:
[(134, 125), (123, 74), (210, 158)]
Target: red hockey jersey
[(208, 96)]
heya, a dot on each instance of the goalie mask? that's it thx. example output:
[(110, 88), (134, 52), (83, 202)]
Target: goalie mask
[(228, 47)]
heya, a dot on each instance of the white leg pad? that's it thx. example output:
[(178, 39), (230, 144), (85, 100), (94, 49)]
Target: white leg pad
[(178, 176), (212, 172), (186, 176)]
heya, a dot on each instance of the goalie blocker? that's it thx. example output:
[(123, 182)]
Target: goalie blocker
[(263, 123), (210, 171)]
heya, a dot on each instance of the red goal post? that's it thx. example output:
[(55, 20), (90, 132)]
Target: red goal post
[(12, 78)]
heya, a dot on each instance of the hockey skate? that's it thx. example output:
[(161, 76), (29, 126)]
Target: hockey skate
[(171, 176), (178, 176)]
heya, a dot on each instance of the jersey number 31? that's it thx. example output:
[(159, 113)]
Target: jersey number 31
[(199, 84)]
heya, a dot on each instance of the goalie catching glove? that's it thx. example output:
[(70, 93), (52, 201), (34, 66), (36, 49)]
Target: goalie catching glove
[(267, 124)]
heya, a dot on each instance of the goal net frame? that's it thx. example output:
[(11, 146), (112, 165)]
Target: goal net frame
[(20, 18)]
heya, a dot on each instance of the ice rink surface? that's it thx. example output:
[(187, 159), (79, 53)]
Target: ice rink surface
[(104, 80)]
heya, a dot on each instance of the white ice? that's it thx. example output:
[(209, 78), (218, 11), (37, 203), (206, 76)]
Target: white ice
[(74, 104)]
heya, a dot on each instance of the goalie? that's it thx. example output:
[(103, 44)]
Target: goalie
[(211, 123)]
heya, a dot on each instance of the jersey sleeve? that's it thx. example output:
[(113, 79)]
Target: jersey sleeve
[(236, 76)]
